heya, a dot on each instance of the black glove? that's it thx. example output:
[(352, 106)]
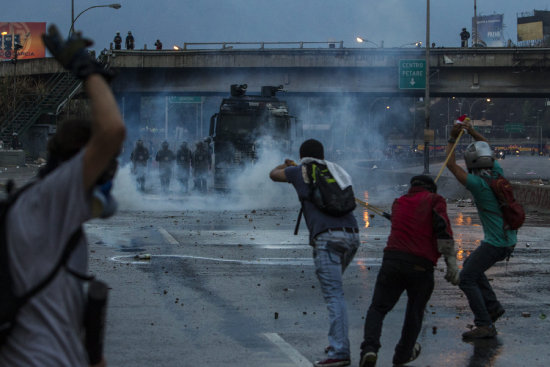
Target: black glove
[(72, 54)]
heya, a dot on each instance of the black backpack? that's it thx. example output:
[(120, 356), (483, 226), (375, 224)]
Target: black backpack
[(10, 303), (326, 194)]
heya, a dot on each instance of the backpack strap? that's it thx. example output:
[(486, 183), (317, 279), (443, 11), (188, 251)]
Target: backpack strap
[(299, 219), (308, 167), (69, 247)]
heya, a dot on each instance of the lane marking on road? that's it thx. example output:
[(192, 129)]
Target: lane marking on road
[(129, 259), (167, 236), (287, 349)]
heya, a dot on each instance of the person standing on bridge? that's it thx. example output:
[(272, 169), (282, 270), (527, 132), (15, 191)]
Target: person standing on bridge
[(420, 234), (129, 41), (335, 241), (498, 242), (158, 45), (464, 37), (49, 327), (118, 41)]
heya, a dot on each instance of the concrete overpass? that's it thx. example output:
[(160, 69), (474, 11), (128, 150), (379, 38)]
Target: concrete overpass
[(495, 72)]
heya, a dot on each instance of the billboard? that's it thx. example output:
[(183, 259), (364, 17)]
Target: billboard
[(26, 34), (534, 28), (530, 31), (489, 29)]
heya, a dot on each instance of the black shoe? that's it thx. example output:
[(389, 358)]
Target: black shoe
[(496, 314), (368, 359), (415, 353), (480, 332)]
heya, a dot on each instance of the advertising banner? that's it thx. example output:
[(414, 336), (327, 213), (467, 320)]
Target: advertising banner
[(530, 31), (26, 34), (489, 30)]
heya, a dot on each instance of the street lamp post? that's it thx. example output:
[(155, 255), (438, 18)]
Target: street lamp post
[(427, 92), (416, 44), (73, 19), (471, 105), (366, 41)]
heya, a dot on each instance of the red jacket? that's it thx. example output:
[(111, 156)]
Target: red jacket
[(418, 219)]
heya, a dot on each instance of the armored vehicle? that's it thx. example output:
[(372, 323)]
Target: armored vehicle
[(246, 124)]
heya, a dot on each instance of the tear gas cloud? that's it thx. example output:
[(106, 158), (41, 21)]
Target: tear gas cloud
[(348, 127)]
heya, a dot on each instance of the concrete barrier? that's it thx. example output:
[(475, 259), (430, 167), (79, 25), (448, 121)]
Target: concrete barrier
[(12, 158), (533, 196)]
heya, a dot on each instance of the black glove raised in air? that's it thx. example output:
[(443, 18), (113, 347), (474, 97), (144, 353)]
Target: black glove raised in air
[(72, 54)]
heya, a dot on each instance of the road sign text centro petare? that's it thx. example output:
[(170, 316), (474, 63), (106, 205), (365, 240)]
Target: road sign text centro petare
[(412, 74)]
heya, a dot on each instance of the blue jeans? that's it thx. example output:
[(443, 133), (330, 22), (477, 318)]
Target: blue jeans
[(332, 253), (475, 285)]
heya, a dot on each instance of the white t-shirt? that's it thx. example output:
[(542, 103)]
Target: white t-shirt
[(48, 331)]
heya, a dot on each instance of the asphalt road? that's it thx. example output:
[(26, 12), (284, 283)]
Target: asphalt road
[(224, 281), (237, 288)]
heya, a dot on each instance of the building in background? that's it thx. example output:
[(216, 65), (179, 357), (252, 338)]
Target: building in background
[(534, 28), (489, 30), (26, 34)]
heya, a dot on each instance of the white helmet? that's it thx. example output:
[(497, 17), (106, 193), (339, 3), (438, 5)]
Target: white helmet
[(478, 155)]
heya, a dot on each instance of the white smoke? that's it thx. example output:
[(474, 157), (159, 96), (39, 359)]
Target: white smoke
[(250, 189)]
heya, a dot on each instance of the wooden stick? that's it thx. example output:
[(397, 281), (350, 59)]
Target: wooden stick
[(374, 209), (449, 155)]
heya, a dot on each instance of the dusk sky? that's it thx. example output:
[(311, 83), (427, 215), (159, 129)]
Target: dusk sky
[(396, 22)]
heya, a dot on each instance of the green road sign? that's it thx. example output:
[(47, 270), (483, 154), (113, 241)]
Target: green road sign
[(184, 99), (412, 74), (514, 128)]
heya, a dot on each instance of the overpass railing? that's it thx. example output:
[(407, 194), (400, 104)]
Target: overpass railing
[(261, 45)]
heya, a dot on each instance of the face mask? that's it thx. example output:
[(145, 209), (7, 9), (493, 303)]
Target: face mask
[(104, 204)]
